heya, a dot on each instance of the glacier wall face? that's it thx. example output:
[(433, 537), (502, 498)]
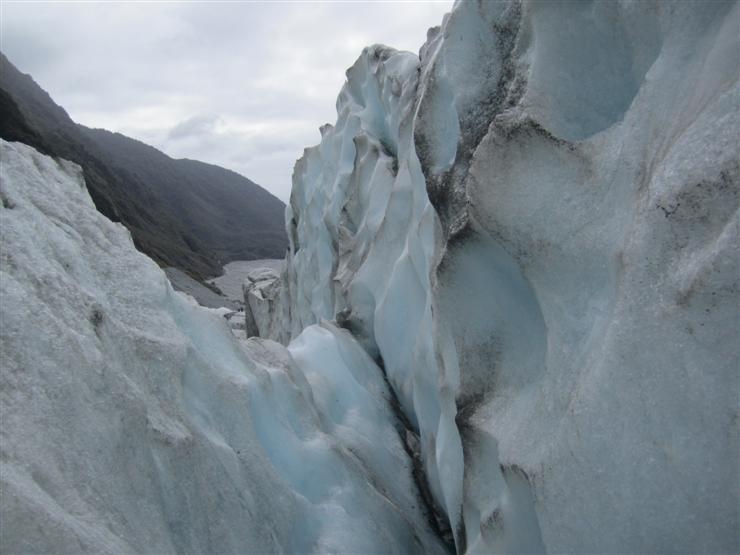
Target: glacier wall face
[(362, 249), (134, 421), (534, 226)]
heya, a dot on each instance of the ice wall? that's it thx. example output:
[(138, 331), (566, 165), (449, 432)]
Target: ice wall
[(534, 226), (362, 249), (134, 421)]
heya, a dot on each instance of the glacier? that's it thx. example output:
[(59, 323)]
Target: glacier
[(133, 420), (533, 228), (508, 316)]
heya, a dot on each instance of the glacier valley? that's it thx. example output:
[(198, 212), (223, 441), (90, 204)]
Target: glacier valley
[(507, 321)]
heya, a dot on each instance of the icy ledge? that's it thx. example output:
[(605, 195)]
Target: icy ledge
[(534, 227), (134, 421)]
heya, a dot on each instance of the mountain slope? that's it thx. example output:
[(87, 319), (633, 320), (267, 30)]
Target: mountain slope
[(182, 213)]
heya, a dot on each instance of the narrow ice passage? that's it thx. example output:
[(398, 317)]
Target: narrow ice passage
[(532, 226)]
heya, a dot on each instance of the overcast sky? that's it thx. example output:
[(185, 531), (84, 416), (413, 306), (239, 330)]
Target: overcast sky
[(243, 85)]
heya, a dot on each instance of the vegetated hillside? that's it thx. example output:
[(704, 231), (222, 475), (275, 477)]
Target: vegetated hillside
[(182, 213), (14, 127)]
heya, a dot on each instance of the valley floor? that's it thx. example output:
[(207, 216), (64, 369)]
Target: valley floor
[(235, 273)]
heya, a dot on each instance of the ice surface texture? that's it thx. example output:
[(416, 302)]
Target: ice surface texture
[(133, 420), (535, 227), (261, 293)]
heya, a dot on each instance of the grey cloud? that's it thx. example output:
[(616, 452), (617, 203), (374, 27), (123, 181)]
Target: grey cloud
[(197, 125), (160, 72)]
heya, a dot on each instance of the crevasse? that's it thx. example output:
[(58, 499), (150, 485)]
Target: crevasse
[(523, 240)]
